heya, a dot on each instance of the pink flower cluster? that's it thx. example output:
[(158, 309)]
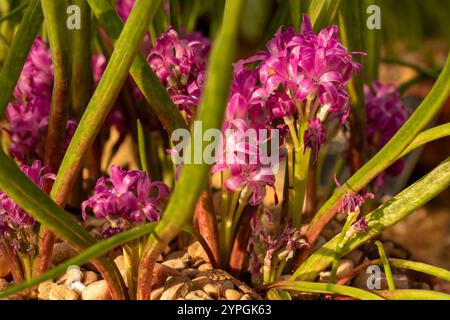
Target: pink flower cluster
[(27, 116), (180, 64), (15, 224), (125, 199), (299, 77), (385, 115)]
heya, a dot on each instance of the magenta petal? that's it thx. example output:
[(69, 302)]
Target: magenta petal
[(233, 183)]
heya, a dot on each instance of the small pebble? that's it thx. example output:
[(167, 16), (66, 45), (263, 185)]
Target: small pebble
[(180, 254), (214, 289), (61, 292), (62, 252), (156, 293), (246, 297), (205, 267), (44, 289), (3, 284), (90, 277), (177, 264), (345, 266), (96, 291), (227, 284), (197, 295), (176, 287), (197, 252), (190, 272), (231, 294)]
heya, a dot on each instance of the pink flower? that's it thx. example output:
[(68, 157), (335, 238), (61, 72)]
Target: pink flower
[(352, 202), (36, 78), (27, 116), (251, 179), (180, 64), (16, 226), (309, 66), (362, 225), (124, 8), (125, 199), (385, 115)]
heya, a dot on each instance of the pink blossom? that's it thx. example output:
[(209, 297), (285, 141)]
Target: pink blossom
[(125, 198)]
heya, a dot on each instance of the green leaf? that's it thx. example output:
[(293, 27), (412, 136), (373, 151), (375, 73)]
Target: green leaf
[(16, 185), (420, 267), (371, 40), (329, 288), (82, 79), (413, 294), (386, 266), (391, 212), (14, 12), (388, 154), (142, 147), (351, 32), (17, 54), (322, 13), (142, 74), (427, 136), (104, 96), (93, 252), (295, 8)]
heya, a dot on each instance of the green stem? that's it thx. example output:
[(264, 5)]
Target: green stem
[(329, 288), (82, 79), (54, 146), (27, 264), (301, 168), (351, 218), (142, 147), (427, 136), (399, 264), (131, 261), (386, 266), (59, 44)]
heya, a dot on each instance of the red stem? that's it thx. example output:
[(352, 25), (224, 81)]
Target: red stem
[(239, 250), (206, 222), (13, 262)]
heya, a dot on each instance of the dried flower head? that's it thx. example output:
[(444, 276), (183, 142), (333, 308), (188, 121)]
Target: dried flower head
[(270, 244), (352, 202)]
